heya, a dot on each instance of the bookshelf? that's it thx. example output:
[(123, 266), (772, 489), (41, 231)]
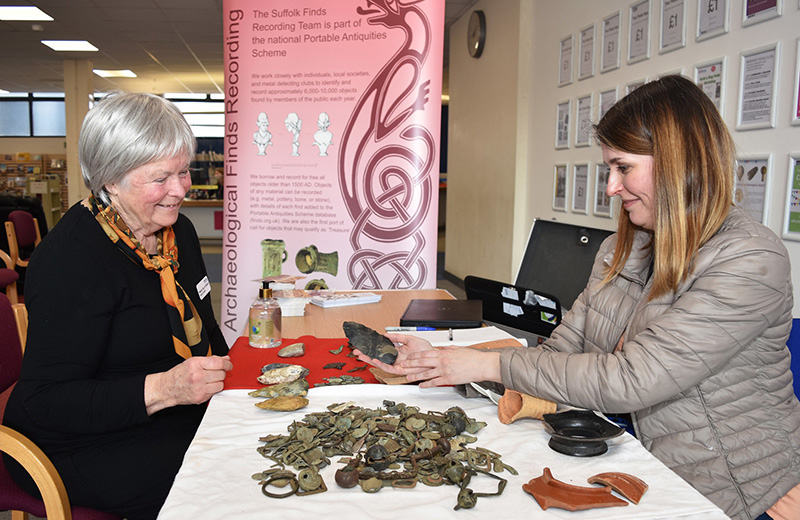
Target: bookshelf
[(15, 169), (41, 176)]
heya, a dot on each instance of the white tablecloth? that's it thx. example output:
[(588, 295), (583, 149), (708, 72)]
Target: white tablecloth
[(215, 479)]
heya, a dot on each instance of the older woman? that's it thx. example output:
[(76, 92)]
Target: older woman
[(123, 348), (685, 317)]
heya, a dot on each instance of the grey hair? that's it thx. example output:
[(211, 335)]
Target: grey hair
[(126, 130)]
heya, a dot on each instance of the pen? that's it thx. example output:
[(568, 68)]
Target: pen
[(450, 334), (406, 329)]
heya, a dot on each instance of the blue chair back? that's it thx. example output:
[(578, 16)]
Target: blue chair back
[(794, 347)]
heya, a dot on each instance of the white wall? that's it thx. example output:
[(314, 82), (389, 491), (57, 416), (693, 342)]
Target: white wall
[(482, 152), (543, 24)]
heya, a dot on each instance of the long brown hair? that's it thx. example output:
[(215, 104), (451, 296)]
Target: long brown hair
[(676, 123)]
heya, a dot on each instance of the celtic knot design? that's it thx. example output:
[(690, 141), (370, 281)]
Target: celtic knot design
[(387, 186)]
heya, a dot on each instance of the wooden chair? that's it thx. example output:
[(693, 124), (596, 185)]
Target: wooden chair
[(22, 231), (36, 463), (54, 504), (8, 277)]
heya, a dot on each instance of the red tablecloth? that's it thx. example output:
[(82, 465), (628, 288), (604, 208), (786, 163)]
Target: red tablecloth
[(247, 361)]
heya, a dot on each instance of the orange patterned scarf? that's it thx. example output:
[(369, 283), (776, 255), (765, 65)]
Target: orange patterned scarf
[(188, 335)]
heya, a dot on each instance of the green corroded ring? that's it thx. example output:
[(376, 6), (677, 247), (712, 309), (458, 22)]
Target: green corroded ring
[(281, 475)]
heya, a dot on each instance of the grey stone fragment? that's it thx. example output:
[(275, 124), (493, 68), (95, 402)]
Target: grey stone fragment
[(370, 342), (293, 350)]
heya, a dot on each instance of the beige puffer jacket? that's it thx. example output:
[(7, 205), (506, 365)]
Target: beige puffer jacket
[(705, 371)]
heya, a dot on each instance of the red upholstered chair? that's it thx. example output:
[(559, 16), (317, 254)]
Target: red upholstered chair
[(8, 277), (22, 231), (55, 503)]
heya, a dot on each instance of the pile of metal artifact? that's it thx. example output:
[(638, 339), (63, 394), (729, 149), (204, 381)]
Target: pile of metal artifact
[(397, 446)]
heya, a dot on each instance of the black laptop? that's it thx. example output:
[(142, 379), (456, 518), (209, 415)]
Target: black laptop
[(443, 314)]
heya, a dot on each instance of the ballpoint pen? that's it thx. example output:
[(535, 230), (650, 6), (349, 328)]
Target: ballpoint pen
[(450, 334)]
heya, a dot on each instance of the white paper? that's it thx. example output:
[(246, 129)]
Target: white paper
[(512, 310), (510, 293), (639, 37), (755, 102), (464, 337), (610, 54)]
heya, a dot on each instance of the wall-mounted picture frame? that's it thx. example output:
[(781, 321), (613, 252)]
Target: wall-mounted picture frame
[(673, 25), (751, 183), (710, 77), (609, 54), (560, 187), (757, 11), (638, 31), (563, 114), (580, 188), (603, 204), (712, 18), (565, 60), (796, 103), (791, 214), (583, 120), (608, 98), (633, 85), (758, 87), (671, 72), (586, 53)]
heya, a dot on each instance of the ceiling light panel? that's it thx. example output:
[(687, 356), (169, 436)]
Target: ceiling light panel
[(70, 45), (114, 73), (27, 13)]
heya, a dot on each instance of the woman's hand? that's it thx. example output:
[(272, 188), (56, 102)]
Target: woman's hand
[(419, 361), (192, 382), (452, 366)]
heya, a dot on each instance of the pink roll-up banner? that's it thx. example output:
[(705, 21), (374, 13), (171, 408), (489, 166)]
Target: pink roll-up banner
[(332, 121)]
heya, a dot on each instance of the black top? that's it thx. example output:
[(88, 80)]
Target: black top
[(98, 326)]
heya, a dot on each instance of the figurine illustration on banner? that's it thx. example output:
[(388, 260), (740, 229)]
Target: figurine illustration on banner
[(262, 138), (323, 138), (274, 255), (293, 124)]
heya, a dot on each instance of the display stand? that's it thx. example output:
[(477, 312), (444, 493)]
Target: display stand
[(48, 190)]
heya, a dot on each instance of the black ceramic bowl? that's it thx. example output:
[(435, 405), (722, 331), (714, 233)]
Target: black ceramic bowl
[(579, 433)]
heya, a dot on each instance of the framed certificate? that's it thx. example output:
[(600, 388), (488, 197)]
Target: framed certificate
[(758, 87), (639, 31), (603, 204), (586, 63), (791, 215), (580, 188), (562, 124), (751, 185), (607, 100), (609, 54), (712, 18), (583, 121), (755, 11), (565, 61), (673, 25), (710, 76), (796, 104), (673, 72), (560, 187)]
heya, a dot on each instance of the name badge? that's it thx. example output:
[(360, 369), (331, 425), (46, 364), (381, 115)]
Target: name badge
[(203, 287)]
